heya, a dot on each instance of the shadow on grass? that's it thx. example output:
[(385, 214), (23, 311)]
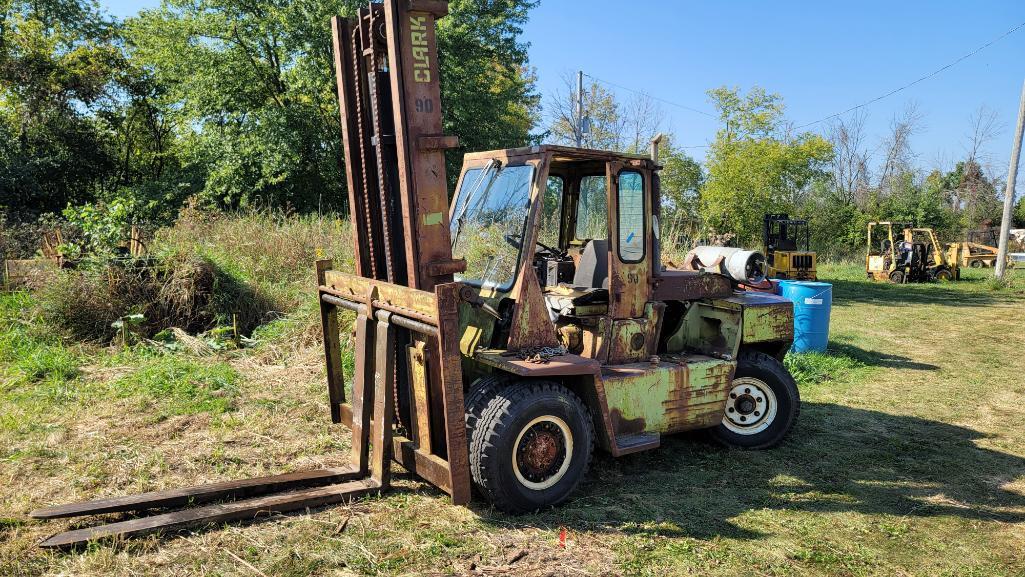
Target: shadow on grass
[(967, 292), (878, 359), (839, 459)]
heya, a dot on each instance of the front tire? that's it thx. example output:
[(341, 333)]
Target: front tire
[(530, 446), (762, 406)]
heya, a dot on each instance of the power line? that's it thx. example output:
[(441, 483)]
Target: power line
[(926, 77), (663, 100), (852, 109)]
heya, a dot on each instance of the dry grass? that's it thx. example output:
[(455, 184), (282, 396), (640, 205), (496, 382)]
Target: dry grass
[(907, 461)]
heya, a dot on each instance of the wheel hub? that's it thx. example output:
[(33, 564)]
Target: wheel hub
[(541, 451), (750, 406)]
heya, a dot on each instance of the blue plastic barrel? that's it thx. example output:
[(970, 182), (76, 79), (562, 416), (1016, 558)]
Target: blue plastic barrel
[(812, 303)]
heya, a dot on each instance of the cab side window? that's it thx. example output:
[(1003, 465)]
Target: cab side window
[(592, 209), (630, 217), (551, 211)]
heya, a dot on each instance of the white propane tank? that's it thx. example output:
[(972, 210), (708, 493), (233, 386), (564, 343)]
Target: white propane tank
[(741, 265)]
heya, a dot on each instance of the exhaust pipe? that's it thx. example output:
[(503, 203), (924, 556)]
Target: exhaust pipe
[(740, 265), (654, 146)]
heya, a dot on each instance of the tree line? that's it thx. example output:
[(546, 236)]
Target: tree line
[(224, 103)]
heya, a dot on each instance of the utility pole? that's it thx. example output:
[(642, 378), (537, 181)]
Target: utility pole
[(580, 108), (1012, 175)]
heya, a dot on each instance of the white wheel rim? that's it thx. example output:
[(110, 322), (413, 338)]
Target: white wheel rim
[(750, 407), (567, 438)]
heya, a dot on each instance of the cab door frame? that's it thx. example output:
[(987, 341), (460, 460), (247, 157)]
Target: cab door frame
[(635, 320)]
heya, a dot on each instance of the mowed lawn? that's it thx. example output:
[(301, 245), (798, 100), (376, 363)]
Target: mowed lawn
[(908, 459)]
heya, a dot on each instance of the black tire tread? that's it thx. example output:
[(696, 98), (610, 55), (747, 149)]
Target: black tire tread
[(478, 398)]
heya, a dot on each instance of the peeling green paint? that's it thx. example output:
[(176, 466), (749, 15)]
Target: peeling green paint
[(673, 395)]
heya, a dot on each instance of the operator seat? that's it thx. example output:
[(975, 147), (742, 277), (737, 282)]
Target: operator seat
[(593, 268)]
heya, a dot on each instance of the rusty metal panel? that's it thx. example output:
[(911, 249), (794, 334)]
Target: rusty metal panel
[(708, 327), (384, 376), (560, 366), (629, 341), (452, 391), (332, 349), (679, 285), (596, 340), (421, 424), (531, 323), (630, 284), (362, 394), (416, 103), (673, 395), (418, 304), (765, 317)]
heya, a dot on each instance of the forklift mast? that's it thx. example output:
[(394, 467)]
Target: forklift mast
[(389, 91)]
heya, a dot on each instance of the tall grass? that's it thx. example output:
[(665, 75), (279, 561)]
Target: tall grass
[(208, 270)]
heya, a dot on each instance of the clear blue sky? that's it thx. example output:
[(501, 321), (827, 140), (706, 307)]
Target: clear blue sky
[(821, 57)]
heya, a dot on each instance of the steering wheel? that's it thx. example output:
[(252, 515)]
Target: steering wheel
[(516, 241)]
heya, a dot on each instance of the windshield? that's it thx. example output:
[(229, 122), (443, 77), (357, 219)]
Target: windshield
[(488, 220)]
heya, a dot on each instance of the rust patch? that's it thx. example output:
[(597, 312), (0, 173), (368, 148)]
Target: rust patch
[(624, 426)]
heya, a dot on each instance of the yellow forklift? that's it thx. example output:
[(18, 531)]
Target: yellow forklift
[(787, 248), (911, 255)]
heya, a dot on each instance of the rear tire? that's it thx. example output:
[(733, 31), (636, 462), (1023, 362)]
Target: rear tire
[(944, 275), (977, 264), (530, 446), (897, 277), (763, 404)]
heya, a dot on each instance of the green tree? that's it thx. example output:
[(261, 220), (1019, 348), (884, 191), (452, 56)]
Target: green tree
[(755, 166), (921, 204), (250, 90), (487, 86), (58, 65), (681, 180)]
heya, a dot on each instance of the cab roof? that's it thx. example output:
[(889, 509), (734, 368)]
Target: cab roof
[(565, 154)]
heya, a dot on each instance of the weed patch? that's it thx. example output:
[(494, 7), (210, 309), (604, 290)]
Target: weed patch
[(176, 385)]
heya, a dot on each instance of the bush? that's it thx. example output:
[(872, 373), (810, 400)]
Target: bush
[(185, 291), (208, 270)]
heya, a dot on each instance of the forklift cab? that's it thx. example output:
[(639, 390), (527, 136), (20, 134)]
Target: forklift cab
[(571, 231)]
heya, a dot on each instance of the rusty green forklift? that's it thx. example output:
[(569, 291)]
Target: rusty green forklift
[(502, 337)]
